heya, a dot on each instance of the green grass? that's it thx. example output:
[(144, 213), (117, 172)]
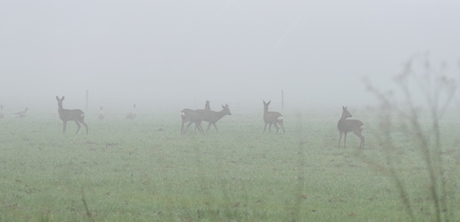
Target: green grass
[(144, 170)]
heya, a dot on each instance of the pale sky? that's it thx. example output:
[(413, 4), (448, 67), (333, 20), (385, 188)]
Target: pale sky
[(176, 54)]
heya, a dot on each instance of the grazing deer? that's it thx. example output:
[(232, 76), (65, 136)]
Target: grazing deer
[(101, 113), (194, 116), (212, 116), (272, 118), (21, 114), (132, 114), (1, 112), (70, 115), (349, 125)]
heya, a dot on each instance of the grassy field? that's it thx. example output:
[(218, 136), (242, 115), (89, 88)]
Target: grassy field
[(144, 170)]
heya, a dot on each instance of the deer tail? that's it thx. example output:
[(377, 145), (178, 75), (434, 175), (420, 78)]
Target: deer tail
[(280, 118), (182, 113), (361, 127)]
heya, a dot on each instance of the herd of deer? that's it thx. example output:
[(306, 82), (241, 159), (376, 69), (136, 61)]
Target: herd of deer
[(197, 116)]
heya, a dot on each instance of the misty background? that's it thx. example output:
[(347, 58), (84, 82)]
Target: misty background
[(169, 55)]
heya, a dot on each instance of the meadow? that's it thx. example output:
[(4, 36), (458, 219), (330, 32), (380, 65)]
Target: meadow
[(145, 170)]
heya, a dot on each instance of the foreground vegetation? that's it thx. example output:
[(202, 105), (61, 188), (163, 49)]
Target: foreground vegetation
[(144, 170)]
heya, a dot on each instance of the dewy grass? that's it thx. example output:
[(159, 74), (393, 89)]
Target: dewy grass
[(144, 170)]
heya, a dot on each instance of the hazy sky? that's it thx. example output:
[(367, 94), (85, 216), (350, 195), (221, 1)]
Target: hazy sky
[(176, 54)]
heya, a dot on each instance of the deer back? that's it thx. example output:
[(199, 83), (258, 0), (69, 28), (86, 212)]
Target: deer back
[(71, 114), (192, 115)]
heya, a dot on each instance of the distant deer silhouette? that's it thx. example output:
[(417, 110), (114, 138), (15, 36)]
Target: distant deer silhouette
[(349, 125), (132, 114), (194, 116), (101, 113), (1, 112), (70, 115), (212, 116), (274, 118), (21, 114)]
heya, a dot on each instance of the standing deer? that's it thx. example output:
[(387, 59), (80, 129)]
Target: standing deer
[(21, 114), (272, 118), (101, 113), (132, 114), (349, 125), (70, 115), (212, 116), (1, 112), (194, 116)]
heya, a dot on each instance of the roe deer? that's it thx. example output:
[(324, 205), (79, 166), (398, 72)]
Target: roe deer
[(194, 116), (21, 114), (132, 114), (212, 116), (70, 115), (101, 113), (349, 125), (272, 118), (1, 112)]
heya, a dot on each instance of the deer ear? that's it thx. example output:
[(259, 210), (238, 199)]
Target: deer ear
[(63, 97), (57, 98)]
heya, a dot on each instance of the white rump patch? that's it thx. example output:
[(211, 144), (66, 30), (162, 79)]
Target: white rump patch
[(182, 113), (362, 127), (280, 118)]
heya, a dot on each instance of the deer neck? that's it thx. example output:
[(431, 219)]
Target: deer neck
[(343, 118), (220, 114), (60, 107)]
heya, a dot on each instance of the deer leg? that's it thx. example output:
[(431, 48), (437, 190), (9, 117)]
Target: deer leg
[(345, 140), (215, 127), (358, 133), (190, 123), (265, 127), (282, 127), (198, 125), (276, 126), (340, 138), (64, 124), (269, 128), (78, 124), (209, 126), (182, 128), (84, 124)]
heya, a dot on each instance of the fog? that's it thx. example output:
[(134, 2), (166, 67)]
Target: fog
[(169, 55)]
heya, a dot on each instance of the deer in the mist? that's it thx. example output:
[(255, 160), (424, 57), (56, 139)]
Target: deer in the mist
[(349, 125), (101, 113), (212, 116), (191, 116), (194, 116), (70, 115), (1, 112), (274, 118), (132, 114), (21, 114)]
